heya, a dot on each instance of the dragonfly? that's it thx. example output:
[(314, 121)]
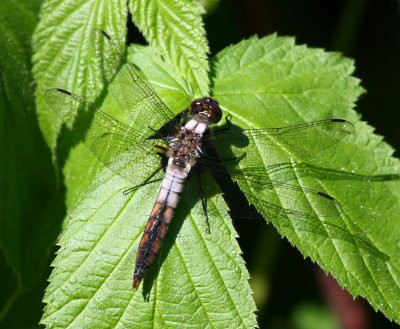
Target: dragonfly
[(182, 146)]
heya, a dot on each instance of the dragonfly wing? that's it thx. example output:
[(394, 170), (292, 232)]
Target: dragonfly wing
[(138, 100), (297, 211), (121, 148), (304, 139), (282, 198), (291, 199)]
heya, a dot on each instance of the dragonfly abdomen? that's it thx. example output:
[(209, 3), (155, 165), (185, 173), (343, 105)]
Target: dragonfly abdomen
[(159, 220), (183, 154)]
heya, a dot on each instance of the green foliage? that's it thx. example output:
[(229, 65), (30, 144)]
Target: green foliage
[(269, 81), (199, 279), (27, 231), (175, 30), (15, 78), (62, 53)]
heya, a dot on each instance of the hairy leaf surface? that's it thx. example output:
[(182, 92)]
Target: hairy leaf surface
[(175, 29), (63, 57)]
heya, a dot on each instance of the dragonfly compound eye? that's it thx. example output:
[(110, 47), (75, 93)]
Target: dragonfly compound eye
[(208, 107)]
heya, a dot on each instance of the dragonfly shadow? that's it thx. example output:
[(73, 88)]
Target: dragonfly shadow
[(294, 223), (286, 172), (332, 228), (229, 135), (67, 140), (335, 225)]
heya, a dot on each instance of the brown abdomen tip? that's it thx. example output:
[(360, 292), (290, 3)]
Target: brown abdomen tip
[(136, 284)]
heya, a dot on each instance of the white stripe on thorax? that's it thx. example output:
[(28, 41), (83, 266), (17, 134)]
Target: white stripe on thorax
[(191, 124), (195, 126)]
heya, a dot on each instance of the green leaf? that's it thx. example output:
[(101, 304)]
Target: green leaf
[(25, 176), (62, 53), (94, 266), (30, 217), (175, 29), (199, 279), (271, 82)]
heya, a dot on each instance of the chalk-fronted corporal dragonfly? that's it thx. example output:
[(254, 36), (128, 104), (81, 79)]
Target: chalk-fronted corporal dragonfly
[(180, 145)]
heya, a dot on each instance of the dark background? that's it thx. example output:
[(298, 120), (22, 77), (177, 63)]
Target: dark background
[(290, 292)]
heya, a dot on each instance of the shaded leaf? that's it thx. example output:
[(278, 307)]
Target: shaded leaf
[(27, 232), (24, 160)]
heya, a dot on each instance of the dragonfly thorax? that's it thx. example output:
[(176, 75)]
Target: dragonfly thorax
[(184, 151)]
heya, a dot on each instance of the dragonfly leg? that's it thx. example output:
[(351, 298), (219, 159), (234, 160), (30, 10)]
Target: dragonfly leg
[(152, 129), (147, 181), (225, 129), (184, 115), (239, 158), (203, 203)]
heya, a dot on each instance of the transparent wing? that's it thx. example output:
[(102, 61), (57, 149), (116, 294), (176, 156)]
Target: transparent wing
[(297, 209), (122, 149), (138, 100), (281, 199), (291, 199), (304, 139)]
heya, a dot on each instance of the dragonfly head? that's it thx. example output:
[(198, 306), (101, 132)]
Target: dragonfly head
[(206, 109)]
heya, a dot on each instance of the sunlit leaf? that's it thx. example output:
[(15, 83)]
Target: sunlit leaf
[(62, 53), (199, 279), (175, 29)]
